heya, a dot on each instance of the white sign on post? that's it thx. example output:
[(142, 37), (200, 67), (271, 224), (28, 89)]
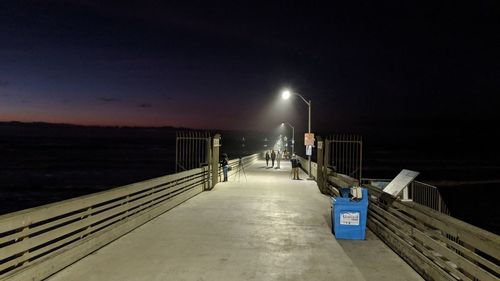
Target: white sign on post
[(216, 142), (403, 179), (309, 150)]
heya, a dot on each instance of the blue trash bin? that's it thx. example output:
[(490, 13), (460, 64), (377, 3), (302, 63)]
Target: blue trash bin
[(349, 217), (344, 192)]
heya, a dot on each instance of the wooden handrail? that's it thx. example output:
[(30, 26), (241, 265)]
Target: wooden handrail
[(436, 245), (31, 239), (37, 242)]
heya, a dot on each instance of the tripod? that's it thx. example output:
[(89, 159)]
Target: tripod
[(240, 169)]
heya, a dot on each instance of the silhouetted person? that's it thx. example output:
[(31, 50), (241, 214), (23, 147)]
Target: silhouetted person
[(267, 158), (273, 157), (295, 167), (225, 165)]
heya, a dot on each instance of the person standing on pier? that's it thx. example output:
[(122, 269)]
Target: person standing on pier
[(273, 157), (225, 165), (267, 158), (295, 167)]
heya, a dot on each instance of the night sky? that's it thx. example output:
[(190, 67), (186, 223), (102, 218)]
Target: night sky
[(221, 64)]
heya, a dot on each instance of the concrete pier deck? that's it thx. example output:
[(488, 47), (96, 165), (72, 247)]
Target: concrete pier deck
[(267, 227)]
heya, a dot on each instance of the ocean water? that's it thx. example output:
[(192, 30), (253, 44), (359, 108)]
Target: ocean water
[(41, 170), (469, 184), (45, 163)]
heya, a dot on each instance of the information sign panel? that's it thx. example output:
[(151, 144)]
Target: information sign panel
[(309, 139)]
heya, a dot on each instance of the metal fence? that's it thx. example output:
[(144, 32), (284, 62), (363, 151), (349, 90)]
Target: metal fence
[(192, 150), (418, 192), (427, 195), (344, 155)]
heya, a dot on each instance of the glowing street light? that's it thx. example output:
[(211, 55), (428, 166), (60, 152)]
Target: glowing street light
[(293, 135), (285, 94)]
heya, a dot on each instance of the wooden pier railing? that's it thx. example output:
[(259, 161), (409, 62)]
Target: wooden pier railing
[(37, 242), (435, 244)]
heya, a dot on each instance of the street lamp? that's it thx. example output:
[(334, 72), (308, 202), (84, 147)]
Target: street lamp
[(293, 136), (286, 95)]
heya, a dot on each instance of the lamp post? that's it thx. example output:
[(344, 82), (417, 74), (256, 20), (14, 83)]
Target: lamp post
[(293, 136), (286, 95)]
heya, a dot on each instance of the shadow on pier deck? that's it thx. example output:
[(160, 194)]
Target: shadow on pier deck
[(267, 227)]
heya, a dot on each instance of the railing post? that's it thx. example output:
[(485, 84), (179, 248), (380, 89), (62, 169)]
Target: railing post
[(215, 160), (319, 170), (360, 159), (177, 152), (86, 216), (25, 236), (326, 163), (405, 194), (208, 159)]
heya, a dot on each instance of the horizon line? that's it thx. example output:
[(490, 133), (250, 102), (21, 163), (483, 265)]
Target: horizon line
[(119, 126)]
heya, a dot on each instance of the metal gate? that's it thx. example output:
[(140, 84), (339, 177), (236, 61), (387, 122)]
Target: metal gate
[(192, 150), (344, 155)]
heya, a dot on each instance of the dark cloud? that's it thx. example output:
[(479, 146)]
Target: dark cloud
[(145, 105), (3, 83), (107, 99), (5, 95)]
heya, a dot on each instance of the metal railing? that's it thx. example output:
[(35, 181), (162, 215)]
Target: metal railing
[(418, 192), (344, 154), (192, 150)]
